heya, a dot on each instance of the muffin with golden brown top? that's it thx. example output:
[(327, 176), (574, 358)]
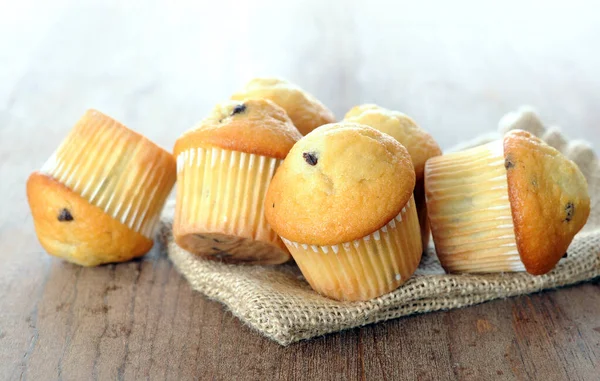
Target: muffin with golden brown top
[(305, 111), (420, 145), (342, 202), (510, 205), (224, 167), (99, 196)]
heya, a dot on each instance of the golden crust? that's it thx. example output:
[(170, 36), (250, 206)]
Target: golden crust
[(256, 126), (549, 200), (339, 183), (305, 111), (420, 145), (88, 237)]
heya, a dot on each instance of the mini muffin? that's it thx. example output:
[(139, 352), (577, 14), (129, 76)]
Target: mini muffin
[(418, 142), (305, 111), (342, 202), (510, 205), (99, 196), (224, 167)]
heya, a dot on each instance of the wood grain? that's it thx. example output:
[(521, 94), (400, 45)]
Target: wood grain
[(456, 68)]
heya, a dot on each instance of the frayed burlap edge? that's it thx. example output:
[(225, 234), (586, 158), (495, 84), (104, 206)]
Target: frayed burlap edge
[(277, 302)]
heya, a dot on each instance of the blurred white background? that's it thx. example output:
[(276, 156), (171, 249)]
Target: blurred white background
[(159, 66)]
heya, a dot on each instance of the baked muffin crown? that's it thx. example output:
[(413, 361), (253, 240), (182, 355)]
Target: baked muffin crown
[(549, 199), (420, 144), (255, 126), (305, 111), (339, 183)]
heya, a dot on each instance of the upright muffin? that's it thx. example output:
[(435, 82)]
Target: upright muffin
[(342, 203), (510, 205), (305, 111), (418, 142), (98, 197), (224, 167)]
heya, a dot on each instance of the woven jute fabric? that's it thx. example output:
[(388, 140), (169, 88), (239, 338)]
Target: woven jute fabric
[(277, 302)]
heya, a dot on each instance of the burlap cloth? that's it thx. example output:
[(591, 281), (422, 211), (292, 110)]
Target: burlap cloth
[(277, 302)]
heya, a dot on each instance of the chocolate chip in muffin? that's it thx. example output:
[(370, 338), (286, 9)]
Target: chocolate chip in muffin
[(570, 210), (238, 109), (508, 163), (65, 215), (311, 158), (565, 255)]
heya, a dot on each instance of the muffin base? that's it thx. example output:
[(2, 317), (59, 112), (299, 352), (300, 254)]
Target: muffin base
[(367, 267), (232, 249), (469, 211), (219, 212)]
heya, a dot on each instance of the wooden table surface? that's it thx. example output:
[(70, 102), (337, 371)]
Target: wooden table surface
[(159, 67)]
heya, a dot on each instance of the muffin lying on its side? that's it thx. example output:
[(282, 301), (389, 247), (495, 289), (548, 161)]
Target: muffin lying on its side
[(510, 205), (98, 198), (224, 167), (342, 202)]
